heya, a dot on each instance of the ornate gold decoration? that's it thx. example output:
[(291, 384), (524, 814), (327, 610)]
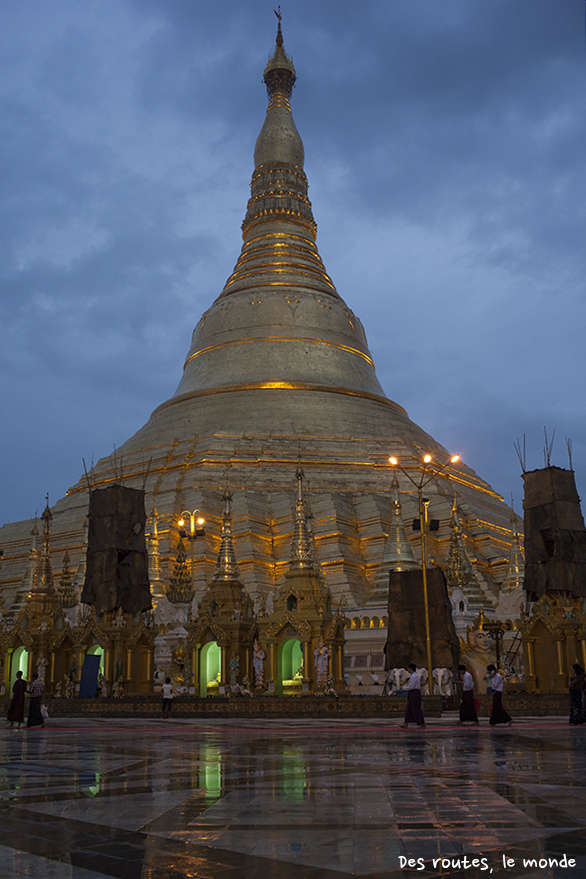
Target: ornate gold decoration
[(43, 578), (298, 339), (180, 589), (226, 565), (206, 623), (458, 574), (289, 619), (66, 591), (300, 557)]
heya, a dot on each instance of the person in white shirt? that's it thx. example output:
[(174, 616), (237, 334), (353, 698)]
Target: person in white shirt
[(168, 696), (413, 712), (467, 707), (498, 713)]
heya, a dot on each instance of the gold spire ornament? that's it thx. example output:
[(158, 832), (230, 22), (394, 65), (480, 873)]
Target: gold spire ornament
[(66, 591), (516, 568), (456, 572), (43, 578), (226, 565), (300, 557), (180, 589)]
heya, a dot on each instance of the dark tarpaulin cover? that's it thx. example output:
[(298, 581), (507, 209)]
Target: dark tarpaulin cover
[(117, 573), (406, 640), (555, 537)]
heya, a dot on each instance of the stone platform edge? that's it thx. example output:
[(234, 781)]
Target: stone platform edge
[(526, 704)]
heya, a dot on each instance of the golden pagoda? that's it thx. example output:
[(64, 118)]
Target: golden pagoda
[(278, 371)]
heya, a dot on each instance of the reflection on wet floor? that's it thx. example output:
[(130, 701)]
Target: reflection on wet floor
[(288, 799)]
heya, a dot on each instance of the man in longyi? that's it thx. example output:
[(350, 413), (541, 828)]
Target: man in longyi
[(413, 712)]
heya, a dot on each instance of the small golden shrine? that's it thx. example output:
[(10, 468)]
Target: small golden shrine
[(220, 639), (299, 640), (554, 638)]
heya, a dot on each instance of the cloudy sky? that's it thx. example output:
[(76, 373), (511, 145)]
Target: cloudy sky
[(446, 153)]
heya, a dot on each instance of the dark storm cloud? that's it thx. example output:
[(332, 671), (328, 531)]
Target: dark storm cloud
[(444, 145)]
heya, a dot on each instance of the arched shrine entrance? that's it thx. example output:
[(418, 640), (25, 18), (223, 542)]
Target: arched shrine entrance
[(210, 658), (290, 666)]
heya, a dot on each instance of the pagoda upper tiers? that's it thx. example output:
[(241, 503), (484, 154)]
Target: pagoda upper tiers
[(279, 372)]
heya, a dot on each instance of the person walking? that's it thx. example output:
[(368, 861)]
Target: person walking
[(577, 694), (168, 696), (467, 708), (498, 713), (35, 717), (413, 712), (16, 707)]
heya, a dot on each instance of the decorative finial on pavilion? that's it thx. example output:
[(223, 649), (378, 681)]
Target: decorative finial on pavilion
[(154, 554), (180, 589), (66, 590), (516, 567), (300, 558), (457, 571), (43, 579), (397, 555), (227, 566)]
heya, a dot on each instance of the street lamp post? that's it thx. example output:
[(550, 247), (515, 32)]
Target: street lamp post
[(196, 529), (423, 525)]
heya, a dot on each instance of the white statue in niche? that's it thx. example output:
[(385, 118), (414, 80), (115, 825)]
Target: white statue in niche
[(258, 662), (321, 658)]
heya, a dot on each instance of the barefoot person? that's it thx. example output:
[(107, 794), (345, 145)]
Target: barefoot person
[(498, 713), (413, 712), (35, 717), (467, 707), (16, 708)]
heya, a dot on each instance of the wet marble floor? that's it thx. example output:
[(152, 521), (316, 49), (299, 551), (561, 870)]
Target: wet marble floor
[(291, 800)]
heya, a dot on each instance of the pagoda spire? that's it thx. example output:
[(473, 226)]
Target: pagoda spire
[(43, 579), (279, 325), (457, 571), (300, 558), (226, 565), (398, 553), (279, 140), (516, 568)]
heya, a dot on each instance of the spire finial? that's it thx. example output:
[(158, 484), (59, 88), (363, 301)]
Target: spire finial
[(277, 12), (300, 545), (43, 578), (516, 567), (279, 75), (458, 572), (226, 565)]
